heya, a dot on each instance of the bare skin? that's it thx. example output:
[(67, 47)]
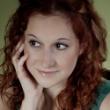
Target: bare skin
[(35, 89), (48, 41), (29, 102), (106, 103), (36, 100)]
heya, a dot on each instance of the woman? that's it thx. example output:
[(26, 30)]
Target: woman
[(54, 51)]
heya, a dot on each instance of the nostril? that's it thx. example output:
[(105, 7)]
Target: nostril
[(47, 64)]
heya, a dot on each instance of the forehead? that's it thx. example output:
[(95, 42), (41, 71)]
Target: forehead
[(52, 25)]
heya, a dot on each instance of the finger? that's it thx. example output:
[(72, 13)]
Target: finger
[(21, 72), (27, 84), (20, 50), (19, 44), (16, 56), (23, 75), (17, 47)]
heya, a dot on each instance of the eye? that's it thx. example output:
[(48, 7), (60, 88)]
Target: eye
[(34, 43), (61, 46)]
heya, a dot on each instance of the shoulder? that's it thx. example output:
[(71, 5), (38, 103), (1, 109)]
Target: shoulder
[(105, 105), (102, 96)]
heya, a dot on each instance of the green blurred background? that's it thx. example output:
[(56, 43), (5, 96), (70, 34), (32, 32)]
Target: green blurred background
[(7, 7)]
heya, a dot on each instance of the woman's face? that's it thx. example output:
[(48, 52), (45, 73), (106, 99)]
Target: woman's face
[(52, 49)]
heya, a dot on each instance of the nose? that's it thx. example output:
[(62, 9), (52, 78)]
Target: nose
[(48, 59)]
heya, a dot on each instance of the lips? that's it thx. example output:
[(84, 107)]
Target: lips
[(47, 71)]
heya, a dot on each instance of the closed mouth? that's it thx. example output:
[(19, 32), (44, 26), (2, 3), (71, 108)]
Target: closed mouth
[(47, 72)]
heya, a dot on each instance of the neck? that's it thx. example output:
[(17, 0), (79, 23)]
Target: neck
[(51, 95)]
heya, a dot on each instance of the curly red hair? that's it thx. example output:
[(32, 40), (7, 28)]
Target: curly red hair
[(80, 90)]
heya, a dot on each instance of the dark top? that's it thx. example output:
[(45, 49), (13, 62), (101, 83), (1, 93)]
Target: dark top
[(102, 91)]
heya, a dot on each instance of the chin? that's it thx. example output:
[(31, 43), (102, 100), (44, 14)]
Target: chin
[(46, 84)]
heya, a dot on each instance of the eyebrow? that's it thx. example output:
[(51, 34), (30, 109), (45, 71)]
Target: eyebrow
[(62, 38), (32, 35)]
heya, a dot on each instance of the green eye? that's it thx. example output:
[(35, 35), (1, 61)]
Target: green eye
[(34, 43), (61, 46)]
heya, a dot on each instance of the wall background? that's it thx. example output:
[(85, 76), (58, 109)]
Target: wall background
[(7, 7)]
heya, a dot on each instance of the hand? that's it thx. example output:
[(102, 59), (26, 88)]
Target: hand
[(33, 93)]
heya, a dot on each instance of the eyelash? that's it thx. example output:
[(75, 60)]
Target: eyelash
[(61, 44), (57, 45), (33, 43)]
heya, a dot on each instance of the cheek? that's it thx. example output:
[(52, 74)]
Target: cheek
[(31, 55), (68, 62), (34, 57), (30, 60)]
